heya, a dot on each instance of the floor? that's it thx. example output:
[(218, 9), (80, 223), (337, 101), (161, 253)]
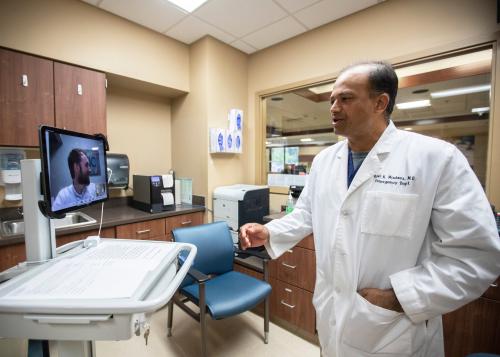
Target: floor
[(241, 335)]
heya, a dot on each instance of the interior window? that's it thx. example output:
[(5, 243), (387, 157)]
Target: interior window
[(447, 98)]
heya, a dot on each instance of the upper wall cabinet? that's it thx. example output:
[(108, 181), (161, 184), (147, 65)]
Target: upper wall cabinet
[(26, 97), (80, 97), (36, 91)]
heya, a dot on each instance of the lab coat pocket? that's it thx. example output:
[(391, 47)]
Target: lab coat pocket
[(389, 214), (375, 330)]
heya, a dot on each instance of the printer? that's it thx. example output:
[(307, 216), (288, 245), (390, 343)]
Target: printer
[(240, 204), (154, 193)]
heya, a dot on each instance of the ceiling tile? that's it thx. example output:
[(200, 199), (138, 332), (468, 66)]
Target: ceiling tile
[(295, 5), (240, 17), (275, 33), (329, 10), (154, 14), (191, 29), (242, 46)]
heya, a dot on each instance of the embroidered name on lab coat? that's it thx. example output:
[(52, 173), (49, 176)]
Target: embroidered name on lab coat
[(394, 180)]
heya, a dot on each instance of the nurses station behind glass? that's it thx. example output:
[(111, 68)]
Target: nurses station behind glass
[(95, 289)]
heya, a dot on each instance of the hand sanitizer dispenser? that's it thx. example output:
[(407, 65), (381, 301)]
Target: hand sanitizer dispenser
[(10, 173)]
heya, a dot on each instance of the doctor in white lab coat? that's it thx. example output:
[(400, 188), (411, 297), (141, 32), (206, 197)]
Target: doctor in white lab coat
[(402, 236)]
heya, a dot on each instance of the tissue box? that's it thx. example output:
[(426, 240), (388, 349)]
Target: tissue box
[(217, 140), (235, 118)]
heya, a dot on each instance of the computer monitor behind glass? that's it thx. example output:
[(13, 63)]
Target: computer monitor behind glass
[(74, 169)]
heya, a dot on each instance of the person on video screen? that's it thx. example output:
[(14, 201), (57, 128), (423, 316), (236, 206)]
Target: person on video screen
[(81, 190)]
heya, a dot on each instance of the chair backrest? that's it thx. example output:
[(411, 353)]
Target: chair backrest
[(215, 253)]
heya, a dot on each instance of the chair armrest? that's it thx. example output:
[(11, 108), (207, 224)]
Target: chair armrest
[(197, 275), (262, 255)]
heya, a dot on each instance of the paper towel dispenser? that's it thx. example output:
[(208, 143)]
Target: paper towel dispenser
[(118, 170), (154, 193)]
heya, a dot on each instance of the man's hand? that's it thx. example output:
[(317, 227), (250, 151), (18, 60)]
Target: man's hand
[(383, 298), (253, 235)]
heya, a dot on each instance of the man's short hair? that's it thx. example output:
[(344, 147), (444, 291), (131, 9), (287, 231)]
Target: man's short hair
[(74, 157), (382, 79)]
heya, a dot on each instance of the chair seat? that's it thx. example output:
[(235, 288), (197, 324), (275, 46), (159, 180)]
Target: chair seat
[(230, 293)]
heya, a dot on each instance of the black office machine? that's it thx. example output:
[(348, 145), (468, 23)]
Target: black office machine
[(240, 204), (154, 193)]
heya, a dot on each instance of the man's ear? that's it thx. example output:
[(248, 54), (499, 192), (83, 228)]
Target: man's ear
[(382, 102)]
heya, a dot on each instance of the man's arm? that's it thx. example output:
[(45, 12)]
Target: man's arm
[(465, 255)]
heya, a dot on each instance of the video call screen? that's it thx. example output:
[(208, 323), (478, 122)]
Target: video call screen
[(74, 169)]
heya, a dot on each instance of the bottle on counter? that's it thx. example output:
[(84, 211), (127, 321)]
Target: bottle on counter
[(289, 203)]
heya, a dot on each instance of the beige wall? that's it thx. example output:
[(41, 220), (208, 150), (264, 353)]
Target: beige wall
[(139, 126), (395, 30), (75, 32), (218, 83)]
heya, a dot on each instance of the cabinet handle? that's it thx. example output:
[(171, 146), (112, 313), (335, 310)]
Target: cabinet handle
[(24, 80), (143, 231), (288, 290), (187, 222), (290, 251), (287, 305), (289, 266), (79, 89), (494, 285)]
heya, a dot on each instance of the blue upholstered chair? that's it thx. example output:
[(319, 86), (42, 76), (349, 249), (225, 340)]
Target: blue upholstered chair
[(212, 284)]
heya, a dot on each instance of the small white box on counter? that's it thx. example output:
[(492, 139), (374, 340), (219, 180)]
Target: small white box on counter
[(217, 140), (235, 118)]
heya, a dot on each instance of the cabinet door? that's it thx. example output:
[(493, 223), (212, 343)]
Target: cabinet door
[(473, 328), (150, 230), (11, 255), (80, 97), (24, 103), (183, 220)]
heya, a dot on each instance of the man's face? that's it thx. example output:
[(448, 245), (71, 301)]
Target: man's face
[(83, 171), (352, 108)]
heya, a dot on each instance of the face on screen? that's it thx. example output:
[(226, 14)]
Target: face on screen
[(76, 170)]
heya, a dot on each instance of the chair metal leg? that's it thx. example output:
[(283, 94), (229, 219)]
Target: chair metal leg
[(266, 320), (203, 325), (170, 317)]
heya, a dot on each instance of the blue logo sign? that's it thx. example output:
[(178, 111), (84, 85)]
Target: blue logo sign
[(229, 141), (238, 141)]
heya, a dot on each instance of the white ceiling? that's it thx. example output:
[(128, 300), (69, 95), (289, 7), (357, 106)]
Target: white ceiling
[(248, 25)]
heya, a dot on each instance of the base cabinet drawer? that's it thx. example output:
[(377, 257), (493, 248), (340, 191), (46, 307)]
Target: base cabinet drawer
[(183, 220), (296, 267), (142, 230), (293, 305)]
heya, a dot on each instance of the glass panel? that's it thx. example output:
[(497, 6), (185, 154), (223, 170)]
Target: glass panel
[(298, 121)]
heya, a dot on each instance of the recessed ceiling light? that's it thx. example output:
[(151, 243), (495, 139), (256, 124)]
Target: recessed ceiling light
[(188, 5), (480, 110), (306, 140), (461, 91), (325, 88), (414, 104)]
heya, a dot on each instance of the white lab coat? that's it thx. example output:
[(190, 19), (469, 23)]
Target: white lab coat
[(416, 219)]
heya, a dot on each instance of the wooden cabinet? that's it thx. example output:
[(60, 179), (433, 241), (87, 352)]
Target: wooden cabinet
[(26, 97), (150, 230), (80, 99), (183, 220), (36, 91), (67, 238), (293, 276), (475, 327), (10, 255)]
